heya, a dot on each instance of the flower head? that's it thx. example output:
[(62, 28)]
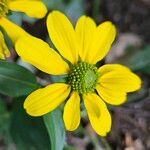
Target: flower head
[(32, 8), (83, 47)]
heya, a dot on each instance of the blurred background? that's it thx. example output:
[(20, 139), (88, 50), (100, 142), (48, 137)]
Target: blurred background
[(131, 121)]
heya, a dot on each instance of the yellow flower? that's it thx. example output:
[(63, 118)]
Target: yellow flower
[(82, 48), (33, 8), (4, 52)]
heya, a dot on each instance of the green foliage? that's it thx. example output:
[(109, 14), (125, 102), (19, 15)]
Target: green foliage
[(141, 61), (4, 124), (70, 148), (16, 17), (72, 8), (16, 80), (28, 133), (54, 4), (58, 78), (55, 129)]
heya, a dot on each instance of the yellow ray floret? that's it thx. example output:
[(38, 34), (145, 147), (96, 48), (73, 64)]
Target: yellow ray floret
[(32, 8), (71, 114), (46, 99)]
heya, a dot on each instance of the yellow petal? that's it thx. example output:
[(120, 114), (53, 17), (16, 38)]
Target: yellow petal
[(102, 41), (13, 31), (62, 35), (101, 122), (114, 97), (4, 52), (39, 54), (71, 114), (111, 67), (46, 99), (85, 29), (120, 80), (33, 8)]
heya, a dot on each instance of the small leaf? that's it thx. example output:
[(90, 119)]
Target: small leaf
[(16, 17), (69, 148), (141, 61), (28, 133), (54, 4), (74, 10), (16, 80), (54, 124), (58, 78), (5, 124)]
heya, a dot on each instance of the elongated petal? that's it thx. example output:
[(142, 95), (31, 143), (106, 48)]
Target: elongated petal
[(114, 97), (71, 114), (85, 29), (62, 35), (112, 67), (102, 41), (98, 114), (4, 52), (39, 54), (33, 8), (13, 31), (119, 78), (46, 99)]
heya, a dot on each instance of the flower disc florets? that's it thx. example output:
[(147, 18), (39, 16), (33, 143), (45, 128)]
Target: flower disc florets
[(3, 7), (83, 77)]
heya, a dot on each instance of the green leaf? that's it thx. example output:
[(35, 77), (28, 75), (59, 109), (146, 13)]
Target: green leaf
[(54, 124), (96, 9), (16, 80), (54, 4), (58, 78), (28, 133), (141, 61), (74, 10), (69, 148), (5, 124), (16, 17)]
